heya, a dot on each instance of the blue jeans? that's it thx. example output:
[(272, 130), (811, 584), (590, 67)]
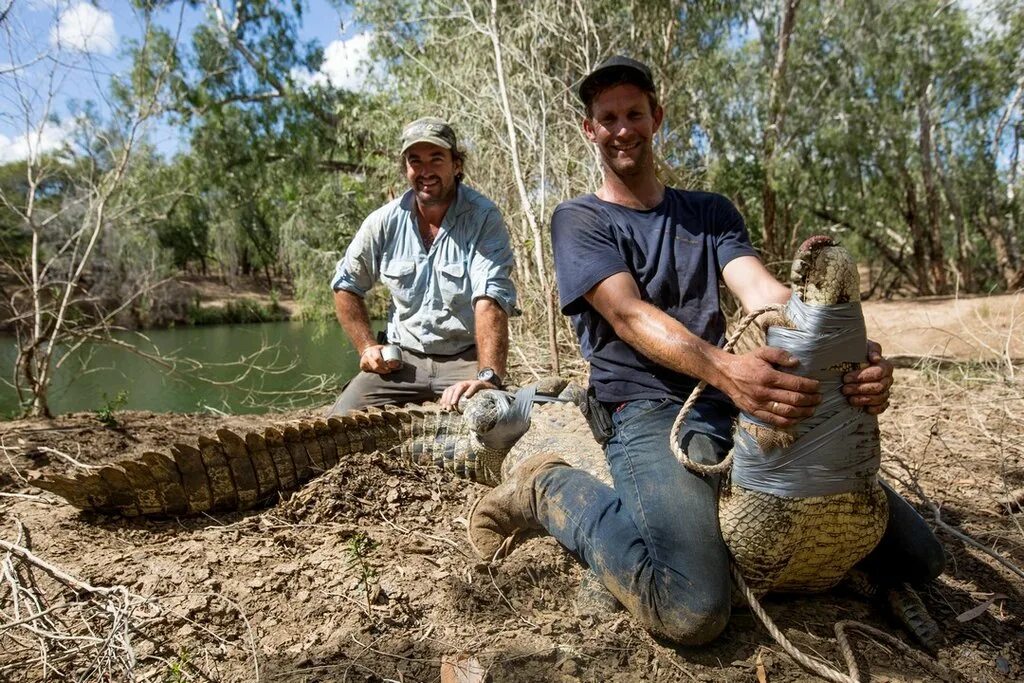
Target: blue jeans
[(908, 551), (653, 540)]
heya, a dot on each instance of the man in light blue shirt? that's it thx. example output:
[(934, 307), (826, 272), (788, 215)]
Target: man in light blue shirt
[(443, 252)]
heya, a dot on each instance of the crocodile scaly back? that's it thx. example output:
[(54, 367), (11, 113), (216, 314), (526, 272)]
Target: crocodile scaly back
[(239, 472)]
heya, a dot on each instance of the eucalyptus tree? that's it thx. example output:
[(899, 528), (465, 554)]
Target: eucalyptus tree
[(280, 171), (897, 132)]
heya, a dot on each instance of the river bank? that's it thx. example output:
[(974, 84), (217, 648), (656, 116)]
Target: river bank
[(366, 570)]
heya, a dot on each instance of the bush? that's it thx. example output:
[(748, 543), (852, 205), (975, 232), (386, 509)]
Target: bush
[(240, 311)]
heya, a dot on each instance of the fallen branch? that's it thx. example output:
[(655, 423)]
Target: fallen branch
[(65, 456), (942, 524), (96, 636)]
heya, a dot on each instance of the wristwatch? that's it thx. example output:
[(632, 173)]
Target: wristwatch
[(489, 375)]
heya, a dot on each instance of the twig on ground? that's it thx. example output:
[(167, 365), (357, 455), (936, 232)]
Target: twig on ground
[(68, 458), (97, 638), (936, 511), (431, 537), (34, 497), (6, 449), (507, 601)]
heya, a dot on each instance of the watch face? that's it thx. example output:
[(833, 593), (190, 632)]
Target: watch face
[(489, 375)]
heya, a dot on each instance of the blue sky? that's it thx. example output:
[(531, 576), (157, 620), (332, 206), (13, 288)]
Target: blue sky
[(55, 55)]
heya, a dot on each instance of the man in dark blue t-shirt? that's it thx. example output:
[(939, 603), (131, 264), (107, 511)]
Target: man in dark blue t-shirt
[(639, 267)]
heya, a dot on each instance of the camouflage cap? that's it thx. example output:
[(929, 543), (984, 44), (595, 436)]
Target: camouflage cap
[(428, 129)]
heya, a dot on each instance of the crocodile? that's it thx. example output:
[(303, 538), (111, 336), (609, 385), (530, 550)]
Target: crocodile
[(780, 543), (235, 472), (800, 542)]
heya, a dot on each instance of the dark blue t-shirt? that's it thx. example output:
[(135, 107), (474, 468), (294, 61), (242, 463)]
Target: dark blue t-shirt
[(675, 252)]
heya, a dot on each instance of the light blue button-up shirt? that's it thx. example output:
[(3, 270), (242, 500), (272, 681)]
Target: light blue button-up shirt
[(432, 290)]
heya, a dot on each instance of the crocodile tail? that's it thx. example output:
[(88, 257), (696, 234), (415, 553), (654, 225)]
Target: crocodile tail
[(239, 472), (908, 607), (230, 472)]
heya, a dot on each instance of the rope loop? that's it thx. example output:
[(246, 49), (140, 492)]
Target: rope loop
[(677, 426)]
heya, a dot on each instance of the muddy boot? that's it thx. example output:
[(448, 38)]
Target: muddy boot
[(509, 509)]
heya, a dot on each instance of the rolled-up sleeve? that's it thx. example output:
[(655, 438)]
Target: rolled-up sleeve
[(357, 272), (490, 269)]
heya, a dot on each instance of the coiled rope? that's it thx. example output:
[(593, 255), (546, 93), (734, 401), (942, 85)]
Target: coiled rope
[(677, 426)]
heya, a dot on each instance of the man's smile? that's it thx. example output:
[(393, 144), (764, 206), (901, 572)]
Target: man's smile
[(625, 146)]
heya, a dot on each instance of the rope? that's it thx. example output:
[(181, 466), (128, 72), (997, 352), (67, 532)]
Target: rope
[(815, 666), (842, 641), (677, 426)]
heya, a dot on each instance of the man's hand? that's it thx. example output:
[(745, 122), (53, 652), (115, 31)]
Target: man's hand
[(869, 387), (757, 388), (450, 397), (371, 360)]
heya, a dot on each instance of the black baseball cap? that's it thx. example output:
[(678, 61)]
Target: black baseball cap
[(617, 68)]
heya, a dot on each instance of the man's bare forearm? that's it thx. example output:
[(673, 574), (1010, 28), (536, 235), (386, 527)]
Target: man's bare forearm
[(355, 319), (750, 380), (669, 343), (491, 335)]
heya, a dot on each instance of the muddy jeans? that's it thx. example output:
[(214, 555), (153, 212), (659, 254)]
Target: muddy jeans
[(654, 540)]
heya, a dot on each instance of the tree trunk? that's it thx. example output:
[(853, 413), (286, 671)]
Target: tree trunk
[(918, 239), (773, 130), (31, 369), (543, 277), (931, 232), (964, 269)]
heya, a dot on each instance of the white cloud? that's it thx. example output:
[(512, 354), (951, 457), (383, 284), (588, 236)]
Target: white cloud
[(45, 137), (84, 28), (346, 64)]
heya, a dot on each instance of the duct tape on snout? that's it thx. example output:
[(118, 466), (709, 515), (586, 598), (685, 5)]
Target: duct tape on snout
[(836, 449)]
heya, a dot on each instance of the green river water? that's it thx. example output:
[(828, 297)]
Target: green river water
[(90, 378)]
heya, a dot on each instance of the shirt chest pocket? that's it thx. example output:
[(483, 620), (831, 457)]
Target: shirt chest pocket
[(399, 277), (451, 278)]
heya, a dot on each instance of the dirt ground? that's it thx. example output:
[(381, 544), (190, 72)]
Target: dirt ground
[(365, 574)]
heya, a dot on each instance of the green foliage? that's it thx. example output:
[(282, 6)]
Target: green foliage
[(106, 414), (237, 311), (50, 190), (177, 668), (359, 548)]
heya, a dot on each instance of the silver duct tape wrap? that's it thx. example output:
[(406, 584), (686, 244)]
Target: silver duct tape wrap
[(836, 449), (514, 412), (824, 336)]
